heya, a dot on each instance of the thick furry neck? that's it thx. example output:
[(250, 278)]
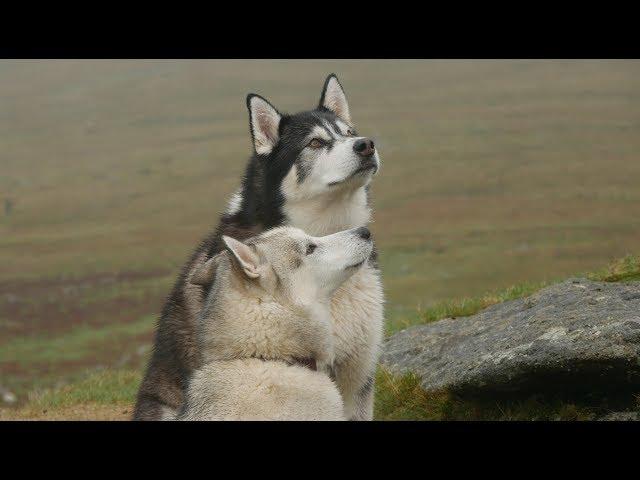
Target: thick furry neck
[(266, 199), (242, 322), (326, 215)]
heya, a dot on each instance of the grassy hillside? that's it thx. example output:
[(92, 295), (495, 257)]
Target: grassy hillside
[(494, 173), (110, 394)]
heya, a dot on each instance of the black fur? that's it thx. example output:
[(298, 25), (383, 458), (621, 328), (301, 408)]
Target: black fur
[(367, 387), (324, 90), (175, 352)]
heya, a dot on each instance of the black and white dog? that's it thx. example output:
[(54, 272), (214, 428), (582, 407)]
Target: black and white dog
[(310, 170)]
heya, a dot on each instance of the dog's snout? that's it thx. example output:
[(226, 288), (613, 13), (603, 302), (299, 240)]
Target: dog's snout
[(364, 147), (364, 233)]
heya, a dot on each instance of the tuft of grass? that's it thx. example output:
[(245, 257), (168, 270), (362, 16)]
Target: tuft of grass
[(461, 307), (402, 398), (107, 387), (621, 270), (624, 269), (471, 306), (104, 395)]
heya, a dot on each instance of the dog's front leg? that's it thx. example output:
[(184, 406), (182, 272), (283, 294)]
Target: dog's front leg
[(356, 383), (364, 400)]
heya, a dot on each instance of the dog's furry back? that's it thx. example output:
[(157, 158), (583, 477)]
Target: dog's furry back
[(175, 352), (253, 389)]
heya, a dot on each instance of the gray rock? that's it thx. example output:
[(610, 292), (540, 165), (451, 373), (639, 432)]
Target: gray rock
[(577, 334)]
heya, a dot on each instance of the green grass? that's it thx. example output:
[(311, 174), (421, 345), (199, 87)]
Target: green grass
[(103, 395), (470, 306), (126, 290), (396, 397), (79, 343), (108, 387), (622, 270), (402, 398)]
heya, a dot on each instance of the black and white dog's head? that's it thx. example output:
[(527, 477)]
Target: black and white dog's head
[(310, 169)]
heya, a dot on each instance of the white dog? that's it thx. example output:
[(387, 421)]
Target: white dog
[(266, 332)]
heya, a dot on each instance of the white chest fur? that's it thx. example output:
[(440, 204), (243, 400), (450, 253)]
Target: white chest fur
[(323, 216), (357, 314)]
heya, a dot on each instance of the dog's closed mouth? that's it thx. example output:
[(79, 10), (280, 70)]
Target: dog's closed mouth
[(355, 265), (364, 168)]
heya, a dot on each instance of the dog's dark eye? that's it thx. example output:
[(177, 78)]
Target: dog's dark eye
[(315, 143), (311, 248)]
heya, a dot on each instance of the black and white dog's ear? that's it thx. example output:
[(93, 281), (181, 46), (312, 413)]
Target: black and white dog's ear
[(334, 99), (264, 122)]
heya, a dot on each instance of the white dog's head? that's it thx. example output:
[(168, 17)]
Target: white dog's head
[(270, 295)]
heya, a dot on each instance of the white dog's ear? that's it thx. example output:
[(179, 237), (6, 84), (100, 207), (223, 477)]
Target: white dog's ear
[(334, 99), (264, 122), (244, 256), (206, 272)]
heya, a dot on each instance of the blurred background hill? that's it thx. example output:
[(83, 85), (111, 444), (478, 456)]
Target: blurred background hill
[(493, 173)]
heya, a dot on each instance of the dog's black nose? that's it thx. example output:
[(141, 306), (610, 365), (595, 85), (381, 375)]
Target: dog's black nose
[(364, 233), (364, 147)]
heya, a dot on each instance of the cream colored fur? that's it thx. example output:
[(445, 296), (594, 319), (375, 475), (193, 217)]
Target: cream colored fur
[(320, 207), (247, 321), (332, 197), (357, 317), (270, 305), (357, 308), (253, 389)]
